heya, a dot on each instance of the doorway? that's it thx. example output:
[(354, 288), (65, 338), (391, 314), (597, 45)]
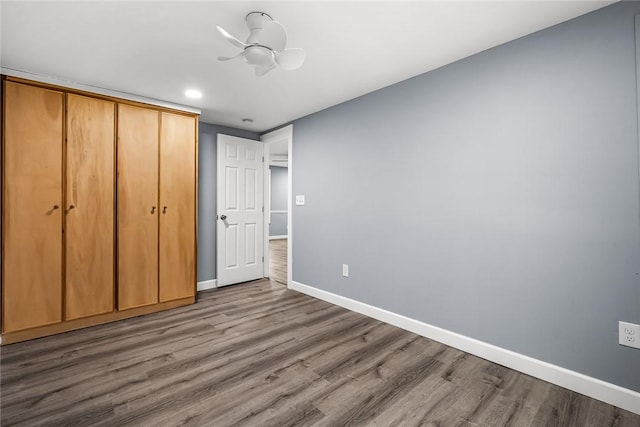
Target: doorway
[(277, 227), (278, 213)]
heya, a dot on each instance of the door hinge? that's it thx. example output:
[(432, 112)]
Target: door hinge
[(262, 159), (263, 209), (262, 259)]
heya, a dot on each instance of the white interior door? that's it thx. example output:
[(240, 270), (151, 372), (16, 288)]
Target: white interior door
[(240, 228)]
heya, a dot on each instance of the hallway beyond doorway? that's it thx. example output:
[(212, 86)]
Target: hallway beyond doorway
[(278, 260)]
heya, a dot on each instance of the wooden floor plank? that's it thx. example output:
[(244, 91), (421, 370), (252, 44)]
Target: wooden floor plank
[(258, 354)]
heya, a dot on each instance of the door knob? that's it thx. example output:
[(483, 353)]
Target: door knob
[(164, 210), (70, 207), (223, 217), (153, 209)]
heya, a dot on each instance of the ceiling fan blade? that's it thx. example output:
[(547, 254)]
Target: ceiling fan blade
[(261, 71), (234, 41), (227, 58), (291, 59), (273, 35)]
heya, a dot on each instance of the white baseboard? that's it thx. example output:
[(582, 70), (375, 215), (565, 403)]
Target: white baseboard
[(207, 284), (277, 237), (589, 386)]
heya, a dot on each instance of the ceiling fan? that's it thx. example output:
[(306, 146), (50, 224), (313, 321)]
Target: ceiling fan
[(265, 47)]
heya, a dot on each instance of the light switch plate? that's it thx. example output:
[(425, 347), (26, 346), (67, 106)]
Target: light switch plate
[(300, 200)]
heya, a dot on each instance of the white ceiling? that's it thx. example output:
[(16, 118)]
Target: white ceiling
[(158, 49)]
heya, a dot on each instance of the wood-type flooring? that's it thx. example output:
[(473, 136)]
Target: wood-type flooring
[(278, 260), (258, 354)]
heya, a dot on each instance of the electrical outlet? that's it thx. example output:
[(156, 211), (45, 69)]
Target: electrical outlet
[(345, 270), (629, 334)]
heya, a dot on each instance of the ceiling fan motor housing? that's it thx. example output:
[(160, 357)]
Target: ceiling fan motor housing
[(256, 22)]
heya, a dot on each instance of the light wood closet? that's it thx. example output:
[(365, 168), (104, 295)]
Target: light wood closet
[(99, 209), (156, 211)]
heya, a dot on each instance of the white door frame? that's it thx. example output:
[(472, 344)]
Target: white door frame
[(277, 135)]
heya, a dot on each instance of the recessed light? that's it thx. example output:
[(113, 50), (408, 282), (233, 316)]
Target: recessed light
[(193, 93), (247, 120)]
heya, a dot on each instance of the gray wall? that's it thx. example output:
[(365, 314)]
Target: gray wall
[(496, 197), (279, 188), (207, 146)]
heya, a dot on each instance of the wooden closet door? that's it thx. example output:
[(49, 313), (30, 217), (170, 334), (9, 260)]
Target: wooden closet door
[(177, 206), (137, 206), (89, 207), (32, 214)]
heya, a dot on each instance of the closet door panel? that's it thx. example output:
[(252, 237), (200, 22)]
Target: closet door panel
[(32, 214), (137, 206), (177, 206), (89, 207)]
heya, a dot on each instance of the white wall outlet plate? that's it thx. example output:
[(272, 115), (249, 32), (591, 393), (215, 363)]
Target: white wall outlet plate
[(300, 200), (345, 270), (629, 334)]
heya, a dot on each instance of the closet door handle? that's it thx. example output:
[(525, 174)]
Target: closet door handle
[(153, 210), (71, 207), (50, 212), (164, 210)]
